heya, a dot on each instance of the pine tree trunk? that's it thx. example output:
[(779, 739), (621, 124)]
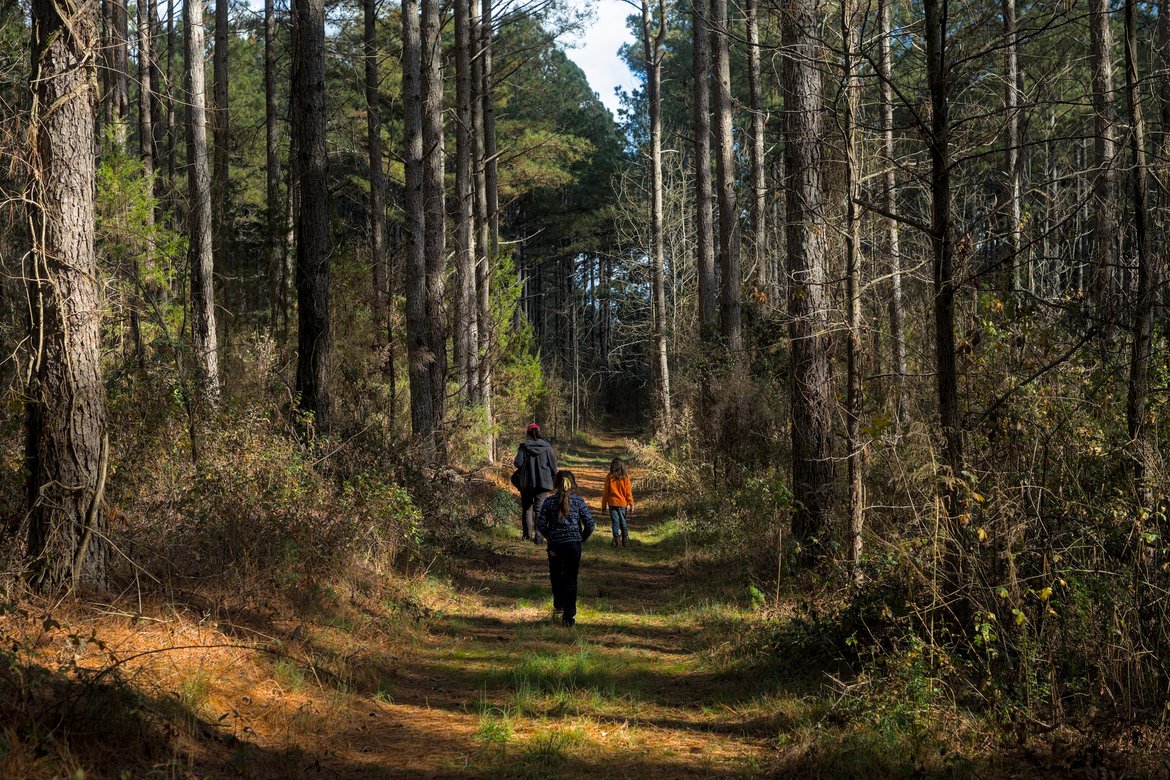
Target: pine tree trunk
[(759, 203), (312, 213), (67, 451), (729, 314), (701, 124), (378, 259), (491, 179), (484, 258), (465, 342), (275, 210), (890, 203), (203, 333), (943, 252), (851, 24), (1142, 326), (811, 384), (219, 133), (1011, 88), (172, 142), (1103, 287), (422, 415), (653, 41), (435, 229)]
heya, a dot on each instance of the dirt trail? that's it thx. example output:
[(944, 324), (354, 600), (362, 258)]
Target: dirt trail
[(497, 688)]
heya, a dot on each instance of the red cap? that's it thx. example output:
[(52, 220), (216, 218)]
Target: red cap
[(533, 427)]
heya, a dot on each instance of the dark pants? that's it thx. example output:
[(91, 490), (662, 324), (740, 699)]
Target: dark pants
[(563, 562), (530, 501)]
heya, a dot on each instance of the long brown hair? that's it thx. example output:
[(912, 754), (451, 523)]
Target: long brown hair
[(566, 484), (617, 468)]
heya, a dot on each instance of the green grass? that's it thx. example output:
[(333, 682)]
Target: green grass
[(289, 675)]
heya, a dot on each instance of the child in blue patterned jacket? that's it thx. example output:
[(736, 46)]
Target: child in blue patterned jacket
[(566, 522)]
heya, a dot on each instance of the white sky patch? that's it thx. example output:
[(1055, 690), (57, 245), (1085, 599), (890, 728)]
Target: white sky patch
[(596, 51)]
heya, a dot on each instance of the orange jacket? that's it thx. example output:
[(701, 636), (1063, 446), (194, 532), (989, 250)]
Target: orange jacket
[(617, 493)]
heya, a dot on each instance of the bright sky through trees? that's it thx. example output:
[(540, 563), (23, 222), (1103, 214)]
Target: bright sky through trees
[(596, 51)]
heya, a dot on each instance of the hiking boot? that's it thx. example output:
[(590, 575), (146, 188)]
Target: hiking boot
[(537, 539), (625, 539), (568, 622), (615, 541)]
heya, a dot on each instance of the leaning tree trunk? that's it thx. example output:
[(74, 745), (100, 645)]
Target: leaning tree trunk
[(374, 143), (729, 314), (199, 255), (811, 382), (418, 349), (701, 124), (1105, 232), (435, 229), (1137, 403), (312, 214), (653, 42), (67, 449)]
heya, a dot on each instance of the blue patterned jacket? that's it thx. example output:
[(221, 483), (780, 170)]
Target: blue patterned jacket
[(576, 526)]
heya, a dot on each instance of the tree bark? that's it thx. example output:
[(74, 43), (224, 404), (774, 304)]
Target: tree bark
[(491, 179), (378, 258), (1137, 402), (943, 251), (419, 354), (729, 314), (275, 210), (484, 257), (219, 139), (851, 25), (811, 383), (312, 214), (759, 203), (145, 91), (67, 449), (1105, 232), (653, 42), (433, 194), (465, 343), (203, 333), (890, 203), (701, 124), (1011, 88), (172, 141)]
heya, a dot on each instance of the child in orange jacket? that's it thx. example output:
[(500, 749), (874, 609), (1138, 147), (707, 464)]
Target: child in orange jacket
[(618, 499)]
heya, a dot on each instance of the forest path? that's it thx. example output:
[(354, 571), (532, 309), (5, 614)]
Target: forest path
[(497, 688)]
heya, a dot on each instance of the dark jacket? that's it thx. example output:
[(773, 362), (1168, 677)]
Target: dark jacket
[(576, 526), (537, 464)]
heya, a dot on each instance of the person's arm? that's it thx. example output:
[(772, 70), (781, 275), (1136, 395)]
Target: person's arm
[(552, 458), (587, 523), (629, 493), (605, 494), (518, 461)]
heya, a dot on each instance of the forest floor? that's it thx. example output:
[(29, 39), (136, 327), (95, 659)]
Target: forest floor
[(464, 672)]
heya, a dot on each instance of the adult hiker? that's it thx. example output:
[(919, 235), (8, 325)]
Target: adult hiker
[(567, 523), (536, 467)]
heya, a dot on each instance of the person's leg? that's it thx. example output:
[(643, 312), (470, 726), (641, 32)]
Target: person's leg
[(556, 577), (625, 528), (537, 502), (615, 523), (570, 555), (526, 521)]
